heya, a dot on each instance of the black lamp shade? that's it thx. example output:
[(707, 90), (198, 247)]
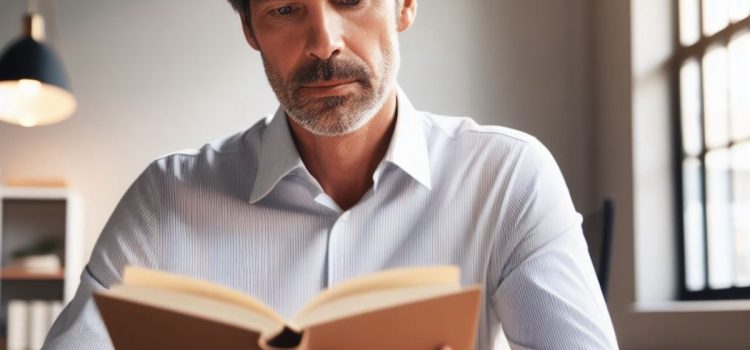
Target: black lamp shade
[(27, 58), (34, 89)]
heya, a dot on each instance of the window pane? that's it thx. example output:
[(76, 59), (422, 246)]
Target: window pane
[(690, 100), (715, 15), (716, 96), (739, 98), (695, 258), (720, 242), (741, 212), (689, 24), (739, 9)]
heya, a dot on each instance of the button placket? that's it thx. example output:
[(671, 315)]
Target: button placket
[(338, 247)]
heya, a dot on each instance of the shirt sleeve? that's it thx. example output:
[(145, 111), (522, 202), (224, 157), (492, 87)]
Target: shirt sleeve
[(127, 239), (547, 295)]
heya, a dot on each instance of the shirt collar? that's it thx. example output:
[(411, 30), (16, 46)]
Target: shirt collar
[(279, 156), (408, 148)]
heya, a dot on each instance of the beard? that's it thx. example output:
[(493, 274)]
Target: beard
[(335, 115)]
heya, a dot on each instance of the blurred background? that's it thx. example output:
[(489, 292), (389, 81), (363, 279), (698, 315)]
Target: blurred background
[(595, 81)]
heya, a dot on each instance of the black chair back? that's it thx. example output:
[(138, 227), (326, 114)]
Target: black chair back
[(598, 229)]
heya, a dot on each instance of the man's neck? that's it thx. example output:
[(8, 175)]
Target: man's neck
[(344, 165)]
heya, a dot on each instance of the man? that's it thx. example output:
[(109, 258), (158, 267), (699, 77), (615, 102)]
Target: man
[(348, 178)]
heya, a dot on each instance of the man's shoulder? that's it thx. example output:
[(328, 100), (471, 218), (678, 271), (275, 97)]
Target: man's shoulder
[(454, 142), (215, 155), (462, 129)]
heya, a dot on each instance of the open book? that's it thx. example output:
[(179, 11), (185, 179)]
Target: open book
[(417, 308)]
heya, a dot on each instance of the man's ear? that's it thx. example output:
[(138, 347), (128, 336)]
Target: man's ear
[(407, 14), (247, 28)]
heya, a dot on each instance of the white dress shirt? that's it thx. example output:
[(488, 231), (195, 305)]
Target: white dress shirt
[(245, 212)]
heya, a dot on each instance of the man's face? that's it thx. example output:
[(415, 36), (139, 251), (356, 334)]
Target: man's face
[(331, 63)]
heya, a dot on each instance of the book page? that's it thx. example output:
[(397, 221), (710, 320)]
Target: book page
[(363, 303), (389, 279), (137, 276), (197, 306)]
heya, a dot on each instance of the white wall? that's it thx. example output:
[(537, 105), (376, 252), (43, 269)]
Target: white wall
[(152, 77)]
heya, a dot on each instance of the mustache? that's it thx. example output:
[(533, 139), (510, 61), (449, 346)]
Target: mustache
[(330, 69)]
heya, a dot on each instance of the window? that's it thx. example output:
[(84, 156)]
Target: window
[(713, 76)]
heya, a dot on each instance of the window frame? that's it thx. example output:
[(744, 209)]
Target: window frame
[(683, 54)]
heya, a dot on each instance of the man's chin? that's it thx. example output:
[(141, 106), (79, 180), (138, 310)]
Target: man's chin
[(333, 122), (337, 115), (339, 104)]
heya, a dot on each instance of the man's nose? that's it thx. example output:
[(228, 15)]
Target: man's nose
[(325, 34)]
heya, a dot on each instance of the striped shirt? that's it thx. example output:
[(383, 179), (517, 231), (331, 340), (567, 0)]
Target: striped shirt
[(245, 212)]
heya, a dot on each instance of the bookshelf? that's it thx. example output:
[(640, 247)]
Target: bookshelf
[(38, 221)]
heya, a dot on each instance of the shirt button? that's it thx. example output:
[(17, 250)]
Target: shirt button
[(345, 215)]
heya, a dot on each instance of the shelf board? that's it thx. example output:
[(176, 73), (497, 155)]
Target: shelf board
[(51, 193), (13, 273)]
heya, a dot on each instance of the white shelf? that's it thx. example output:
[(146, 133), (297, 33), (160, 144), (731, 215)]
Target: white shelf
[(38, 193)]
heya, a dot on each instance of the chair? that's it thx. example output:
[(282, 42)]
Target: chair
[(597, 229)]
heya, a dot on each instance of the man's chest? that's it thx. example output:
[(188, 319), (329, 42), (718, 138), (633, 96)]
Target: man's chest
[(286, 255)]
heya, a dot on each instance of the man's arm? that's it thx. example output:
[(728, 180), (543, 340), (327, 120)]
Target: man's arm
[(127, 239), (79, 325), (547, 296)]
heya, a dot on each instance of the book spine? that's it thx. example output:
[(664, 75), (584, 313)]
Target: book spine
[(39, 312), (18, 325)]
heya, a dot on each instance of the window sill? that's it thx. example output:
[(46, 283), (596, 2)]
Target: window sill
[(692, 306)]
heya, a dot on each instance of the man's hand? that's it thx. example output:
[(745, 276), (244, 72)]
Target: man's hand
[(445, 347)]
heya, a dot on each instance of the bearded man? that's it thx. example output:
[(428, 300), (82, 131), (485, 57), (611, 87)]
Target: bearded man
[(348, 178)]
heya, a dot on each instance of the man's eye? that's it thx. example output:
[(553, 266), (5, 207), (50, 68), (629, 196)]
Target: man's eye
[(349, 2), (283, 11)]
